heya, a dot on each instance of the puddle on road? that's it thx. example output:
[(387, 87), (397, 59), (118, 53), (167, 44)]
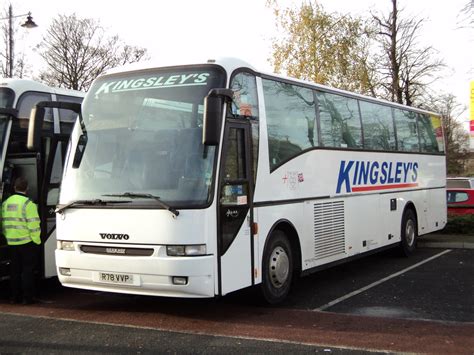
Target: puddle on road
[(391, 312)]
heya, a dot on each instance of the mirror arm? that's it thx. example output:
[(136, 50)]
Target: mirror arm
[(9, 112), (227, 94)]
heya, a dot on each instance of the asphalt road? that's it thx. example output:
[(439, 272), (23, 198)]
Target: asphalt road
[(380, 303), (440, 289), (54, 336)]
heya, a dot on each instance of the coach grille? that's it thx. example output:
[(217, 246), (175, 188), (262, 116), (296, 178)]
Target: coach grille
[(116, 250), (329, 229)]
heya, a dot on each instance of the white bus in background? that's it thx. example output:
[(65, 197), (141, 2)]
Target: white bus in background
[(43, 169), (201, 179)]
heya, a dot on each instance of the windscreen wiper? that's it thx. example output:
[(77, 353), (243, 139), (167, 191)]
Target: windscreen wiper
[(174, 211), (97, 201)]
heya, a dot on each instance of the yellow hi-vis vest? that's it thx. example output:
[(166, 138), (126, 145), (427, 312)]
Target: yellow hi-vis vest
[(20, 220)]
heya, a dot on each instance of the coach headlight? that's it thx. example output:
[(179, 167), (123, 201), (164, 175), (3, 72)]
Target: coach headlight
[(186, 250), (65, 245)]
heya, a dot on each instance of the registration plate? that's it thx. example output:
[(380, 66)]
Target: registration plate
[(115, 278)]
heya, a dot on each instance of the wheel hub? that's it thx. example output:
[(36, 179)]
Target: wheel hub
[(279, 267), (410, 232)]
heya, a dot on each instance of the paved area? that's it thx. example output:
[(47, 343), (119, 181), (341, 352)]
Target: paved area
[(53, 336), (390, 317), (433, 284), (321, 329)]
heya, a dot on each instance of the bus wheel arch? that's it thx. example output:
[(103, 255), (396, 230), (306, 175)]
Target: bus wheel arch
[(409, 230), (280, 262)]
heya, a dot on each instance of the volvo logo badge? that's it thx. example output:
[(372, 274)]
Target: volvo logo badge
[(114, 236)]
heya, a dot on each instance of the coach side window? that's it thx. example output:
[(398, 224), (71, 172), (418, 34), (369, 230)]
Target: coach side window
[(340, 121), (428, 134), (27, 101), (291, 120), (407, 131), (378, 126), (7, 96), (245, 103), (67, 117)]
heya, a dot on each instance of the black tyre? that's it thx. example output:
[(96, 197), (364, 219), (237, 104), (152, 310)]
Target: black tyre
[(277, 268), (409, 233)]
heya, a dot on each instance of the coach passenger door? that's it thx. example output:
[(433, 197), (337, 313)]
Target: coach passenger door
[(235, 216)]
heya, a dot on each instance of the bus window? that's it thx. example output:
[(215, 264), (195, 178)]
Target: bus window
[(427, 132), (27, 101), (3, 131), (291, 120), (234, 169), (6, 97), (340, 121), (234, 189), (407, 132), (67, 117), (245, 101), (245, 91), (378, 126)]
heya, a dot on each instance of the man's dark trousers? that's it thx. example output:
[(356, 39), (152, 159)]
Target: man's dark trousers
[(22, 267)]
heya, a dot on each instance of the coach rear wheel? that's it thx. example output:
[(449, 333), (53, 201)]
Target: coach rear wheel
[(277, 268), (409, 232)]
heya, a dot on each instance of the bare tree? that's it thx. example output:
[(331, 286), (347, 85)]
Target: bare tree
[(456, 139), (466, 16), (77, 50), (406, 67)]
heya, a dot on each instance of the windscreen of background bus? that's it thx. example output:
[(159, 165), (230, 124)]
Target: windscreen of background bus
[(144, 136), (6, 101)]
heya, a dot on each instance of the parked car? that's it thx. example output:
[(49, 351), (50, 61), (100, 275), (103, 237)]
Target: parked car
[(460, 201), (460, 182)]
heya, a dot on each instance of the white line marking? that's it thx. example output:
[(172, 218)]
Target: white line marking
[(376, 283)]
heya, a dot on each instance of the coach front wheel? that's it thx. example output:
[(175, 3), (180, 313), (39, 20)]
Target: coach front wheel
[(277, 268)]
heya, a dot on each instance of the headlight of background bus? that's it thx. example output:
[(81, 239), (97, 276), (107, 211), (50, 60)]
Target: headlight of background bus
[(65, 245), (186, 250)]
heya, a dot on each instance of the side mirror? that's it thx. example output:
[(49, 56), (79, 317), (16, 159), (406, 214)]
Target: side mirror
[(213, 112), (35, 124), (81, 146)]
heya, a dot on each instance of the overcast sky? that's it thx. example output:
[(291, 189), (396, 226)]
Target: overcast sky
[(244, 28)]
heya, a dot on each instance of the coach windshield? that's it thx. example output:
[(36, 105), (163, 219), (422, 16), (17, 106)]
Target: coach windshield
[(142, 136), (6, 102)]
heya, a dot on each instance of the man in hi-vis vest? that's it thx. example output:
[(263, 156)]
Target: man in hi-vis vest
[(21, 229)]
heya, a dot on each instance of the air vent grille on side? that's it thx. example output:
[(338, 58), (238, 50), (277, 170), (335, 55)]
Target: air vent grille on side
[(329, 229)]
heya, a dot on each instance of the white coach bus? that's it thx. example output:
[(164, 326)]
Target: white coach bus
[(42, 169), (199, 180)]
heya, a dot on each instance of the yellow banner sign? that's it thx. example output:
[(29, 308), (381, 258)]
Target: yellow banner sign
[(471, 122)]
